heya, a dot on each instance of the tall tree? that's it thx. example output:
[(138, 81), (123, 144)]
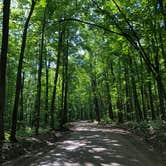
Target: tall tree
[(120, 20), (38, 95), (52, 109), (64, 109), (3, 63), (19, 72), (47, 66)]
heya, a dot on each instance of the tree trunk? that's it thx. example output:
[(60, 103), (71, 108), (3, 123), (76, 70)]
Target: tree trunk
[(161, 97), (128, 97), (136, 101), (120, 107), (160, 86), (21, 113), (141, 78), (38, 96), (110, 110), (47, 88), (138, 111), (90, 106), (65, 109), (3, 63), (19, 71), (95, 100), (151, 101), (62, 97), (55, 80), (143, 102)]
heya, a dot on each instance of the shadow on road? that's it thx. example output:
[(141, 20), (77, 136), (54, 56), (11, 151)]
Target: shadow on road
[(91, 146)]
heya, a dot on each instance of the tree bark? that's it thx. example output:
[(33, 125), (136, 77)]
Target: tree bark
[(47, 88), (138, 111), (95, 99), (52, 109), (110, 110), (62, 96), (161, 97), (120, 107), (19, 71), (3, 63), (38, 96), (128, 96), (21, 112), (65, 109), (151, 101), (143, 102)]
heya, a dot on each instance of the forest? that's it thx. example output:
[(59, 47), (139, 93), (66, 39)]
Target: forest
[(71, 60)]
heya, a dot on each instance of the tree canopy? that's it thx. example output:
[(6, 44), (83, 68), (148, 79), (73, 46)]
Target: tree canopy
[(66, 60)]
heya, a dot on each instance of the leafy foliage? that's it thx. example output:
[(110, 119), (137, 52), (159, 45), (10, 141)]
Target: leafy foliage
[(116, 62)]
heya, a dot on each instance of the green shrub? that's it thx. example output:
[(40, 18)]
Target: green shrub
[(131, 124), (7, 136), (106, 120)]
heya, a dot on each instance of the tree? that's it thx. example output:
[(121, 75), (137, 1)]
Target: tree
[(19, 72), (98, 60), (3, 63), (38, 95), (52, 109), (129, 31), (65, 81)]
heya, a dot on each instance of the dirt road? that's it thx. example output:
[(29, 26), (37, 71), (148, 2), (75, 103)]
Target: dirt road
[(91, 146)]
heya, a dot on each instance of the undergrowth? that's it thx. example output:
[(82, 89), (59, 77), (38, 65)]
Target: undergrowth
[(153, 131)]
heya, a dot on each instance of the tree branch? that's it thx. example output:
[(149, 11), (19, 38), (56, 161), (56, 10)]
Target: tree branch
[(91, 24)]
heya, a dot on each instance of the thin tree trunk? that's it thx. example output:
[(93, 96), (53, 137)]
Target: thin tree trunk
[(120, 94), (90, 106), (161, 97), (151, 101), (19, 71), (138, 112), (21, 115), (136, 103), (3, 63), (38, 96), (143, 102), (160, 86), (65, 110), (62, 97), (95, 100), (128, 104), (110, 110), (144, 108), (55, 80), (47, 88), (147, 100), (120, 107)]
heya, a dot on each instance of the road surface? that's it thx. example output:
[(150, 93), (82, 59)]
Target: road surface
[(88, 145)]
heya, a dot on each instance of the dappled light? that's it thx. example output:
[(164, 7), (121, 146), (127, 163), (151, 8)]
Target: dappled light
[(88, 145), (72, 145), (82, 83)]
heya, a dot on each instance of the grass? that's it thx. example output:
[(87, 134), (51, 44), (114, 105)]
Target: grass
[(28, 131)]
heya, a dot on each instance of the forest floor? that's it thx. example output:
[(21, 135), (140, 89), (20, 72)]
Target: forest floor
[(91, 145)]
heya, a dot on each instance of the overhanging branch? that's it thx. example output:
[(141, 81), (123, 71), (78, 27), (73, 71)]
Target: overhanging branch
[(91, 24)]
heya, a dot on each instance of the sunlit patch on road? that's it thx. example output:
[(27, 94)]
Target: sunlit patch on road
[(88, 145)]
